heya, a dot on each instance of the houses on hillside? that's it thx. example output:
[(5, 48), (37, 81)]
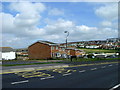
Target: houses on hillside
[(48, 50), (111, 43)]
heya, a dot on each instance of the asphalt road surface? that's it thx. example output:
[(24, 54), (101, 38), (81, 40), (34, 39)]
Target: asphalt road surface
[(93, 76)]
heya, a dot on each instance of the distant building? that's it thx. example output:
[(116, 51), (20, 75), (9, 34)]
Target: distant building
[(8, 53), (113, 40), (22, 52)]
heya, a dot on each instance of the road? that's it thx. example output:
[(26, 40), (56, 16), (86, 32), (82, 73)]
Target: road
[(87, 76)]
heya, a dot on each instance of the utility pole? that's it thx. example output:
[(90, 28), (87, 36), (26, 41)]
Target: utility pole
[(66, 37), (66, 41)]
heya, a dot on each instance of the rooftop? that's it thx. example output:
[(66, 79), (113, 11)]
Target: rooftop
[(6, 49)]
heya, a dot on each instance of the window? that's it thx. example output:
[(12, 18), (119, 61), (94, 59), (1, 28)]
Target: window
[(56, 47), (68, 51), (63, 49), (52, 48)]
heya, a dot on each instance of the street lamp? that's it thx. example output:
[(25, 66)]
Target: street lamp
[(66, 37)]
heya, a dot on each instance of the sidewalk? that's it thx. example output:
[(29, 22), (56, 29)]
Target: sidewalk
[(13, 69)]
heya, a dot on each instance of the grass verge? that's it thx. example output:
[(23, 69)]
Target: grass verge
[(88, 50), (30, 64), (93, 59), (74, 60)]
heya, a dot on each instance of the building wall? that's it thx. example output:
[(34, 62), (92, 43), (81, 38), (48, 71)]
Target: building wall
[(8, 55), (78, 53), (72, 52), (39, 51), (57, 51)]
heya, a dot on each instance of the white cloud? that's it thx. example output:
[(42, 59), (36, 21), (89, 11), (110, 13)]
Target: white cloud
[(23, 27), (109, 14), (59, 26), (28, 7), (56, 30), (55, 12), (23, 24), (28, 13), (1, 7), (106, 23), (25, 21), (108, 11), (9, 40), (7, 23), (84, 28)]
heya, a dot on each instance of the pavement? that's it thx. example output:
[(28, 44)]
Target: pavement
[(102, 75), (28, 61), (13, 69)]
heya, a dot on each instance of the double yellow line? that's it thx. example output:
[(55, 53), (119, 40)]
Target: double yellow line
[(32, 74), (58, 67)]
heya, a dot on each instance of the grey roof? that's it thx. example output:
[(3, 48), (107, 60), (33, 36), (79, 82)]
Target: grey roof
[(6, 49), (21, 49), (71, 48), (47, 42)]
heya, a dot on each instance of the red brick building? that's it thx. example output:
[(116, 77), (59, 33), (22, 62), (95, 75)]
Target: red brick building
[(47, 50), (39, 50)]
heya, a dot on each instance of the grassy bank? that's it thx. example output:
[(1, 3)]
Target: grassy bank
[(67, 60), (30, 64), (98, 50), (93, 59)]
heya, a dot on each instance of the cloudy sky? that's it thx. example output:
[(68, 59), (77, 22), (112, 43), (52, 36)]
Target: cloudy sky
[(24, 23)]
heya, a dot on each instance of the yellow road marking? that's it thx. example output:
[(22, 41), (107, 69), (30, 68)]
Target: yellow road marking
[(93, 64), (62, 70), (60, 67), (33, 74)]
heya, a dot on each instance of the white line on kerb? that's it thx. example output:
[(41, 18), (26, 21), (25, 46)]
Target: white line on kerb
[(82, 71), (93, 68), (115, 87), (66, 74), (19, 82), (103, 67), (47, 77)]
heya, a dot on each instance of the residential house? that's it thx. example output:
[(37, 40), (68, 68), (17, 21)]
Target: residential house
[(93, 46), (47, 50), (7, 53), (40, 50), (22, 52)]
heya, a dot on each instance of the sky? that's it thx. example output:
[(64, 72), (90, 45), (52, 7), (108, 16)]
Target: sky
[(24, 23)]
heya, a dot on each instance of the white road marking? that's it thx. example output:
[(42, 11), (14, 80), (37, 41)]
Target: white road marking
[(82, 71), (47, 77), (115, 87), (93, 68), (66, 74), (103, 66), (110, 65), (19, 82)]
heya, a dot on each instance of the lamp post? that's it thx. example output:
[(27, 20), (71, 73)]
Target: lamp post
[(66, 37)]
